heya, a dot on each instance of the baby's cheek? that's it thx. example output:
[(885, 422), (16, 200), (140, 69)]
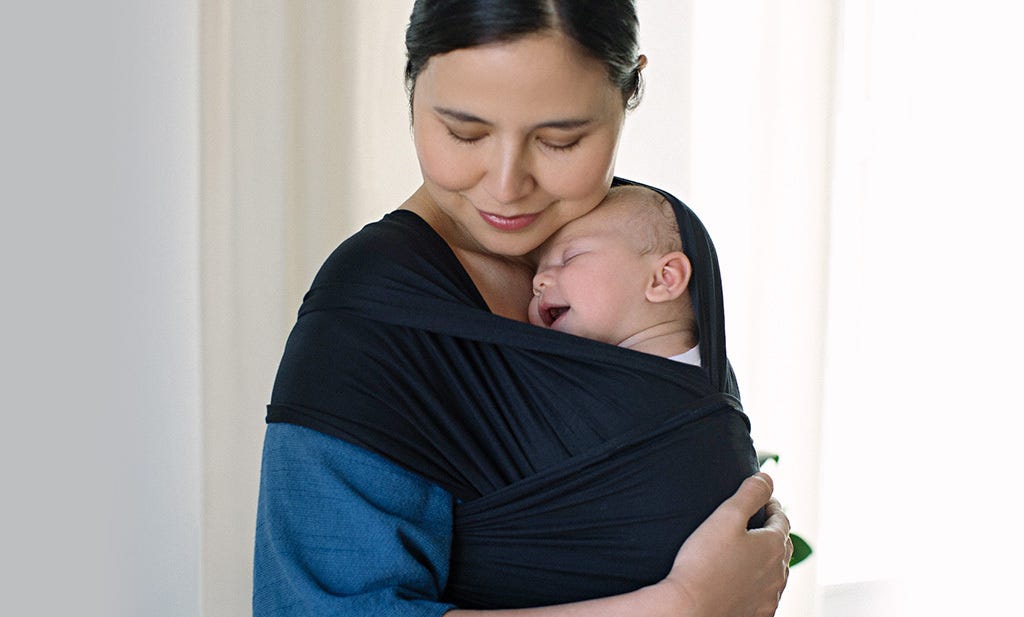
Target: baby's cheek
[(533, 312)]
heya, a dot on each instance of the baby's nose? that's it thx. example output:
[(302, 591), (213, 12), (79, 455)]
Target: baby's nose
[(541, 280)]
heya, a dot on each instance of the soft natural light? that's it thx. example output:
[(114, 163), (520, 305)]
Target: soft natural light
[(859, 165), (924, 311)]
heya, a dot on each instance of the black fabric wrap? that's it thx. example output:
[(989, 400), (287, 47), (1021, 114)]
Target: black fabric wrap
[(580, 467)]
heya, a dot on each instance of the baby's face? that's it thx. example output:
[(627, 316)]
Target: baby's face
[(591, 279)]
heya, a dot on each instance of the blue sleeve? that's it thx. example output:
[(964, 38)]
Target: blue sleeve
[(342, 531)]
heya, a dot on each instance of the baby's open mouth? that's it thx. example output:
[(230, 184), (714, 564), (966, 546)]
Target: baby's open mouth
[(550, 314)]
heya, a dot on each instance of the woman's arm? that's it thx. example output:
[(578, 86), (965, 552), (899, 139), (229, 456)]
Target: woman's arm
[(722, 570), (342, 531)]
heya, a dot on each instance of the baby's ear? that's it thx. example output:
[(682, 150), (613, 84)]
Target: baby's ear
[(670, 278)]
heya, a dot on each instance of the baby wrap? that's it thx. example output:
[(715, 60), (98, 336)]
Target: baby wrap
[(579, 467)]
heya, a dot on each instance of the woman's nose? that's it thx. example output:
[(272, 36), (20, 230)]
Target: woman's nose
[(509, 178)]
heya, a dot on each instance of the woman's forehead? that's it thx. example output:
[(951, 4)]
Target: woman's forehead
[(540, 78)]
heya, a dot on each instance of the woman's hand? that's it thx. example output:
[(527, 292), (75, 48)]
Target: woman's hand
[(725, 570)]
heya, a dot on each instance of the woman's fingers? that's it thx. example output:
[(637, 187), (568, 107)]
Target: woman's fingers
[(777, 526), (776, 532), (752, 495), (777, 519)]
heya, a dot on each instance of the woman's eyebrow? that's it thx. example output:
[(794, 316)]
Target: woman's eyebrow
[(567, 124), (460, 116)]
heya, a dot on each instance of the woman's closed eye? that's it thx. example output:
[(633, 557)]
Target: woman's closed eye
[(463, 138), (559, 146)]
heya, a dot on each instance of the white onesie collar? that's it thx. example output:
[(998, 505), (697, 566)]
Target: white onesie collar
[(692, 356)]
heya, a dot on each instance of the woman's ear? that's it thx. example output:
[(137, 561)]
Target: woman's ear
[(670, 278)]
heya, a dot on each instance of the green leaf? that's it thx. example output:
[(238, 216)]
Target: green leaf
[(801, 549)]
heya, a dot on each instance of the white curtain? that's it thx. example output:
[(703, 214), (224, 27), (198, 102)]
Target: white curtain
[(305, 138), (922, 417), (834, 149)]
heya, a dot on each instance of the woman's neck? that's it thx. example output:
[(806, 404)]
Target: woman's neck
[(505, 283)]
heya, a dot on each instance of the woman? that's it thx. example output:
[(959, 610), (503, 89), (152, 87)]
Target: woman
[(402, 351)]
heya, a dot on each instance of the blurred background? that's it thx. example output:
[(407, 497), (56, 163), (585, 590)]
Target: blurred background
[(174, 174)]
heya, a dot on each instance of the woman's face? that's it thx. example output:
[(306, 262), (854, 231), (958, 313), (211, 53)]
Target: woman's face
[(515, 139)]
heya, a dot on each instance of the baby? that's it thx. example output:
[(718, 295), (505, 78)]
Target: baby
[(619, 275)]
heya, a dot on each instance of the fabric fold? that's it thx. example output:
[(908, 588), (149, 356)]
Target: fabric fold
[(662, 473), (580, 467)]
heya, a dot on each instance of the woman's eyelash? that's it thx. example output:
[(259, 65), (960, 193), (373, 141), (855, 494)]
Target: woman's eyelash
[(552, 146), (560, 147), (462, 140)]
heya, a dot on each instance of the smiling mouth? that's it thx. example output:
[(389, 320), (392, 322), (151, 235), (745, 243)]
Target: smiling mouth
[(550, 314), (508, 223)]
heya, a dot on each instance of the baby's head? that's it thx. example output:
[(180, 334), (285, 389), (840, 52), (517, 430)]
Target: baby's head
[(618, 275)]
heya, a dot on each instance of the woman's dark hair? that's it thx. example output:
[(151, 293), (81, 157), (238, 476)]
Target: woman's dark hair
[(604, 29)]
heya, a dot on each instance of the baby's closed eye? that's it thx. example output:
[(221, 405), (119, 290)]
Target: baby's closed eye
[(569, 255)]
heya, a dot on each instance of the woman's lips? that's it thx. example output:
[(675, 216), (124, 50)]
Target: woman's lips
[(508, 223)]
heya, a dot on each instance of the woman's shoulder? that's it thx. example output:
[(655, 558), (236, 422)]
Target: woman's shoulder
[(399, 240), (397, 233), (399, 254), (396, 229)]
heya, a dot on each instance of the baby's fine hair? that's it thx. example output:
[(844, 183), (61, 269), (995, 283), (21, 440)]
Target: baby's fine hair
[(651, 219)]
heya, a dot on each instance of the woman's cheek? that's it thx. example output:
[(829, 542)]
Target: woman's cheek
[(443, 164), (586, 176)]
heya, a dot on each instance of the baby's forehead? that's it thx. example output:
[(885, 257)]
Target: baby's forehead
[(607, 216), (631, 212), (629, 209), (623, 203), (636, 196)]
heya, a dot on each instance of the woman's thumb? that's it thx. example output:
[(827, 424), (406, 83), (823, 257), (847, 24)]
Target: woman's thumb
[(752, 495)]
